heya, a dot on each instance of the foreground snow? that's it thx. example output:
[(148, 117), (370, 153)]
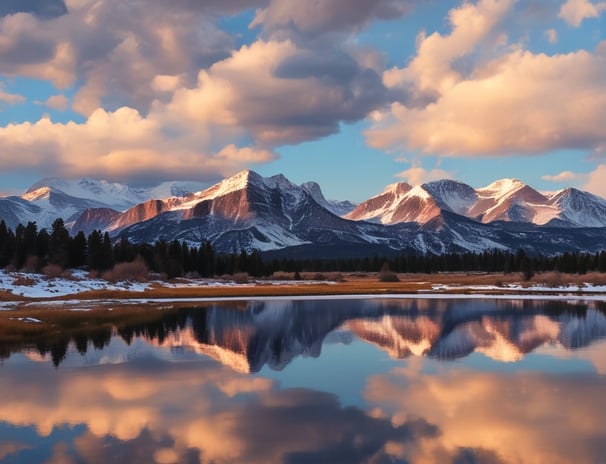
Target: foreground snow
[(31, 285), (38, 286)]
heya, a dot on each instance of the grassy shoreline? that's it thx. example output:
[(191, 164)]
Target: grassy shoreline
[(347, 284)]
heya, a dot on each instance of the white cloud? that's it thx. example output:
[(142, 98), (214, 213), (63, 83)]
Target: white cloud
[(552, 36), (504, 101), (596, 182), (57, 102), (417, 175), (575, 11), (125, 145), (10, 98), (565, 176)]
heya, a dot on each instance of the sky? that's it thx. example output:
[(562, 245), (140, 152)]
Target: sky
[(352, 94)]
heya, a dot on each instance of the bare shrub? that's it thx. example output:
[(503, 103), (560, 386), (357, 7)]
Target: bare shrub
[(52, 271), (319, 276), (240, 278), (388, 276), (335, 277), (550, 279), (135, 271), (32, 264), (24, 281), (595, 278), (280, 275)]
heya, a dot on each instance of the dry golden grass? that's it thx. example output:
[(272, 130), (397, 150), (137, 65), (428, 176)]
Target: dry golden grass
[(343, 284)]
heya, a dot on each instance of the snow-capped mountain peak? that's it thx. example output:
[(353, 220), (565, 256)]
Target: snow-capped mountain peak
[(340, 208), (501, 188), (41, 193)]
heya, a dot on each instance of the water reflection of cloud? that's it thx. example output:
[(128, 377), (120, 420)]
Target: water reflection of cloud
[(187, 412), (525, 417)]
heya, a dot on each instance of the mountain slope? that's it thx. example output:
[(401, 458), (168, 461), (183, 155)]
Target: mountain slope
[(504, 200)]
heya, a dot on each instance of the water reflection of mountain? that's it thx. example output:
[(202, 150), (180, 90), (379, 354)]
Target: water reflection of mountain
[(248, 336)]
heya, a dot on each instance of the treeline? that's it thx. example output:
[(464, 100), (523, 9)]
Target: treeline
[(30, 249)]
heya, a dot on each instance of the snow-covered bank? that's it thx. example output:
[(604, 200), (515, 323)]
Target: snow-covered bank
[(31, 285), (38, 288)]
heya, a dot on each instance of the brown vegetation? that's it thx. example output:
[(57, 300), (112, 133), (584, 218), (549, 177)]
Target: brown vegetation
[(135, 271)]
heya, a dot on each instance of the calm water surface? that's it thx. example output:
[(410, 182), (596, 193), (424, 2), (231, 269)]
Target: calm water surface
[(377, 381)]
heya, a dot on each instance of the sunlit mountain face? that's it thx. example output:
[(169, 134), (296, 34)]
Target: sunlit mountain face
[(489, 381)]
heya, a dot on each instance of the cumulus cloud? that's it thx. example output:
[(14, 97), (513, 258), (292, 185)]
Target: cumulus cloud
[(116, 50), (9, 98), (266, 94), (575, 11), (417, 175), (564, 176), (127, 146), (471, 93), (57, 102), (552, 36), (596, 181), (327, 16), (176, 77)]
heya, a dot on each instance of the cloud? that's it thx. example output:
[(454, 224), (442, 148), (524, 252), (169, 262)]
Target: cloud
[(565, 176), (596, 181), (124, 145), (266, 94), (10, 98), (176, 78), (471, 93), (57, 102), (327, 16), (552, 36), (575, 11), (115, 50), (418, 175)]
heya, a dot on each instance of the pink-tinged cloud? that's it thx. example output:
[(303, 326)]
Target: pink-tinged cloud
[(513, 102), (259, 97), (596, 182), (327, 16), (575, 11), (125, 145), (565, 176), (417, 175), (57, 102), (10, 98)]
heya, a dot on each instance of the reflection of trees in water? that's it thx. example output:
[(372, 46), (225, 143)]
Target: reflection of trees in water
[(58, 340), (303, 325)]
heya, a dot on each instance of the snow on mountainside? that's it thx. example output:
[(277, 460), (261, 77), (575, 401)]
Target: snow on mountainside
[(507, 200), (340, 208), (248, 211), (51, 198), (110, 194)]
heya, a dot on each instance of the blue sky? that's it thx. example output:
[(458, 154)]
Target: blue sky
[(353, 94)]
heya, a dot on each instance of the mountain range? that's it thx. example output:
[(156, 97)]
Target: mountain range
[(273, 215)]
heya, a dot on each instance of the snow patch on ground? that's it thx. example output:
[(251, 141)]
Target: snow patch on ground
[(31, 285), (39, 286), (586, 288)]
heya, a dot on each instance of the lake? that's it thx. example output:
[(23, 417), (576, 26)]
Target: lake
[(302, 381)]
